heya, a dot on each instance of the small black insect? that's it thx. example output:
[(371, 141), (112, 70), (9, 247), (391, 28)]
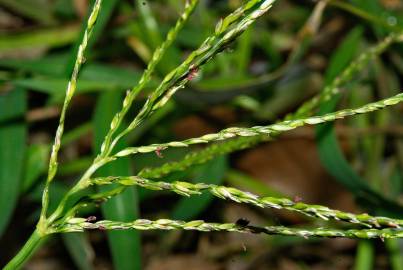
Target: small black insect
[(242, 222)]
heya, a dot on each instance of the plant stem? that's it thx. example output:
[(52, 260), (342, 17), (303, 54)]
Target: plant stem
[(25, 252), (71, 88)]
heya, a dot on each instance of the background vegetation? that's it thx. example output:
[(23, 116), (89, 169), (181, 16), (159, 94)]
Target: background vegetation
[(285, 58)]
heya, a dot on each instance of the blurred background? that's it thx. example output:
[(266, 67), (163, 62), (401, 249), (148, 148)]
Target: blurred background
[(285, 58)]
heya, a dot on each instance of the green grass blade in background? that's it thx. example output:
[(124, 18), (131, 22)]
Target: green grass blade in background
[(344, 54), (124, 245), (94, 76), (46, 65), (149, 23), (44, 38), (13, 133), (365, 255), (211, 172), (330, 152), (80, 250), (39, 11), (151, 30), (36, 164), (53, 66), (244, 52), (392, 20), (395, 248)]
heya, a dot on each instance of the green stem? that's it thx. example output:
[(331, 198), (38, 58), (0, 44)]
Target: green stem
[(26, 252)]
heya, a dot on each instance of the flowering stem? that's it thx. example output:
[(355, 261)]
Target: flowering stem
[(81, 224), (226, 31), (265, 130), (71, 88), (236, 195), (158, 54)]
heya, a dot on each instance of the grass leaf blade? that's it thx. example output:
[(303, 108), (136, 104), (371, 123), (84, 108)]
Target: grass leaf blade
[(78, 246), (12, 154)]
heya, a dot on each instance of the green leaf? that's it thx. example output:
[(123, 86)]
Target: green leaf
[(56, 86), (211, 172), (35, 166), (53, 66), (149, 24), (94, 77), (46, 38), (244, 52), (12, 145), (365, 255), (152, 31), (395, 249), (48, 65), (79, 247), (33, 9), (125, 245), (344, 54)]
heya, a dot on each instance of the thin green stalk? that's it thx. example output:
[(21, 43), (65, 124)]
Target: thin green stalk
[(265, 130), (26, 252), (81, 224), (71, 88), (236, 195), (107, 146)]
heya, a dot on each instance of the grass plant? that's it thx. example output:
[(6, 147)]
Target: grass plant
[(66, 219)]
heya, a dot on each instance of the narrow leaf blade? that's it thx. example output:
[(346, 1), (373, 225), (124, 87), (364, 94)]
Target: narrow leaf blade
[(12, 144)]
